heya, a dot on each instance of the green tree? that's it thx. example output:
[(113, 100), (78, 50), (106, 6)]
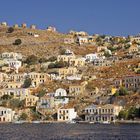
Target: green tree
[(17, 42), (123, 114), (6, 97), (41, 93), (123, 91), (27, 82), (62, 51), (23, 116), (51, 66), (42, 60), (52, 59), (31, 60), (15, 103), (10, 30), (107, 54)]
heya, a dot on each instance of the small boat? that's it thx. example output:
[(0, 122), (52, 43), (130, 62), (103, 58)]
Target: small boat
[(36, 122), (106, 122), (71, 122), (91, 122)]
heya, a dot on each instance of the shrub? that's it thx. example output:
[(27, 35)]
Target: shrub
[(51, 66), (52, 59), (42, 60), (59, 64), (122, 92), (6, 97), (16, 103), (27, 82), (23, 116), (32, 59), (41, 93), (130, 113), (17, 42), (10, 30), (62, 51)]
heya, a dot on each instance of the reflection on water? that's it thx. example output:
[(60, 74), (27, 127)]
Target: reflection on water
[(69, 132)]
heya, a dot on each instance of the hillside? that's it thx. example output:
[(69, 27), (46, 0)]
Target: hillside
[(47, 44)]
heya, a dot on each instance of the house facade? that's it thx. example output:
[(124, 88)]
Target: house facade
[(65, 57), (31, 100), (101, 113), (66, 114), (77, 62), (63, 72), (6, 115), (17, 92), (91, 57), (131, 82)]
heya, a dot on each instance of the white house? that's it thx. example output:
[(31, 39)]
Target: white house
[(60, 97), (11, 55), (82, 40), (69, 52), (6, 115), (13, 63), (17, 92), (101, 113), (60, 92), (91, 57), (66, 114)]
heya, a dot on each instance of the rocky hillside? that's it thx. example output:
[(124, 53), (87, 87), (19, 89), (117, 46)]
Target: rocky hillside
[(46, 44)]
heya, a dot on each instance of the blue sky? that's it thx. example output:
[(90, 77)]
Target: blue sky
[(113, 17)]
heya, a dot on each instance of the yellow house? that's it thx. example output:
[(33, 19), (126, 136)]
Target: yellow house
[(133, 48), (31, 100), (6, 69), (12, 84), (77, 89), (3, 77), (17, 92), (65, 58), (19, 77), (38, 78), (63, 72), (78, 62), (112, 91), (101, 48)]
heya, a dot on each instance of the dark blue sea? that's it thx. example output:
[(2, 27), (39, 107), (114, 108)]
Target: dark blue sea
[(69, 132)]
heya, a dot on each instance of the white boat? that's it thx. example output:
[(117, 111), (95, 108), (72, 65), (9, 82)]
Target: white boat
[(91, 122), (71, 122), (106, 122)]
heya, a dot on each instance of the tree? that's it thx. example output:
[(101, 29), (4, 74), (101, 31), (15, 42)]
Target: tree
[(27, 82), (62, 51), (17, 42), (15, 103), (123, 91), (107, 54), (129, 113), (57, 64), (6, 97), (32, 59), (123, 114), (51, 66), (52, 59), (23, 116), (61, 64), (42, 60), (10, 30), (41, 93)]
